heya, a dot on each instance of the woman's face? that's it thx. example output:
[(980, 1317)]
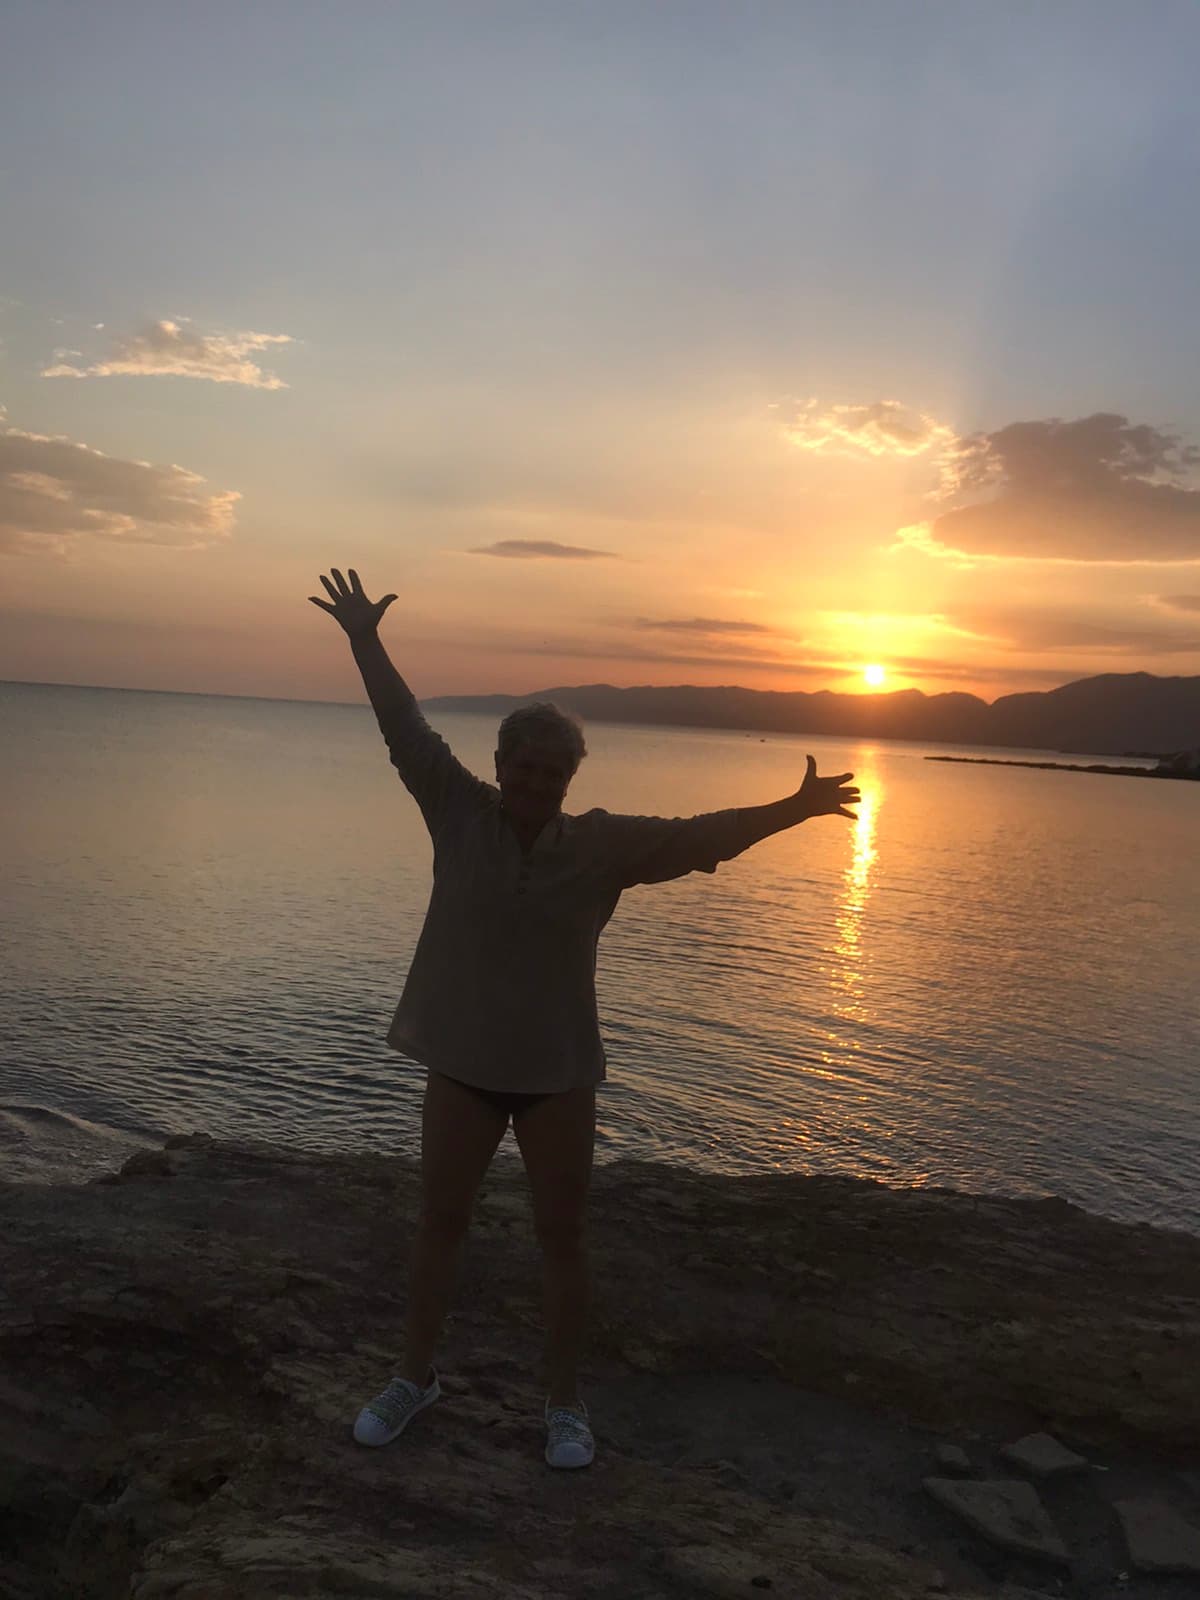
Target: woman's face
[(533, 780)]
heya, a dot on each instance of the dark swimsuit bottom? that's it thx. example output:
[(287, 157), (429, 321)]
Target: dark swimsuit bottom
[(505, 1100)]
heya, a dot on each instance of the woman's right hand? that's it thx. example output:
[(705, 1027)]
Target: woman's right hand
[(359, 616)]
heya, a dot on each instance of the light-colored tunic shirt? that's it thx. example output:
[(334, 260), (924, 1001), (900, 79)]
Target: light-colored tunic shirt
[(501, 992)]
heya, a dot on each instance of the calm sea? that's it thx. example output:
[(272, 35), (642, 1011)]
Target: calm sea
[(988, 981)]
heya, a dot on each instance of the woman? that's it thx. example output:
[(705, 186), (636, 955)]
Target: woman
[(500, 1000)]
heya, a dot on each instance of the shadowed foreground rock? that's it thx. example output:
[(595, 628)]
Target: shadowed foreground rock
[(775, 1364)]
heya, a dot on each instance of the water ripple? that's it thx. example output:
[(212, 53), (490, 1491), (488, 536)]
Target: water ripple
[(211, 906)]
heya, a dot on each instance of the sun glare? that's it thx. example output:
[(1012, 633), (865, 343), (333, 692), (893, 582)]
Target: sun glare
[(874, 675)]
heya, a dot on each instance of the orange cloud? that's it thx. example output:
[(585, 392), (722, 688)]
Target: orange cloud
[(52, 489), (165, 349), (881, 428), (1047, 628), (703, 625)]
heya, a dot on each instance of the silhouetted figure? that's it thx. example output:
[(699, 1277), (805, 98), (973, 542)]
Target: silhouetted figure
[(500, 1000)]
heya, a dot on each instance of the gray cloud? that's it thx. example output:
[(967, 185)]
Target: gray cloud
[(1097, 489), (53, 489), (700, 625), (166, 349), (540, 550), (1178, 602)]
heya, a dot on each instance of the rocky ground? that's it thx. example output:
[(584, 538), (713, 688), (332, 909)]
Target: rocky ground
[(779, 1365)]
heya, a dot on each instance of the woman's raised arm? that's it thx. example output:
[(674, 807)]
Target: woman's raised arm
[(429, 770), (360, 619)]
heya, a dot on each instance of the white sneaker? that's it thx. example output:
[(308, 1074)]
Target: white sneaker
[(569, 1441), (381, 1419)]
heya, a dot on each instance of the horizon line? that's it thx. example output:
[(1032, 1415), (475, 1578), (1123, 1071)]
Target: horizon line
[(217, 694)]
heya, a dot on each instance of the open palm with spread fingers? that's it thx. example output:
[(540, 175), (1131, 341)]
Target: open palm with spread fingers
[(828, 797), (358, 616)]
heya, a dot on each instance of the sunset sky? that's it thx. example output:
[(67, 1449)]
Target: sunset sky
[(629, 343)]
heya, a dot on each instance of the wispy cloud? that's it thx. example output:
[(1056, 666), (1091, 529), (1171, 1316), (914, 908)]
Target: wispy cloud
[(631, 654), (167, 349), (540, 550), (1097, 489), (880, 428), (1177, 602), (702, 625), (53, 490), (819, 665), (1049, 628)]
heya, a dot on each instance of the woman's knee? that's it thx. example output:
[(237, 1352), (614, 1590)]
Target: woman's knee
[(562, 1238), (444, 1223)]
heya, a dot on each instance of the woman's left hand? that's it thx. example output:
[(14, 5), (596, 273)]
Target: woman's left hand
[(828, 797)]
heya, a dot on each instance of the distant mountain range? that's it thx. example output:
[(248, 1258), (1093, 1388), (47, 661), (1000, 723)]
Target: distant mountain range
[(1115, 714)]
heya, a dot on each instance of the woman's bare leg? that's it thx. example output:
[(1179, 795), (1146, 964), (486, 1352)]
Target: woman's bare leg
[(557, 1136), (460, 1133)]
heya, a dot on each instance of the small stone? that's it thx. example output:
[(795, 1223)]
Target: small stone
[(642, 1357), (1041, 1454), (1159, 1539), (953, 1459), (560, 1567), (1007, 1513)]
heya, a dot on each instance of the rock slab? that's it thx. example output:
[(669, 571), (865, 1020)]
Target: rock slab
[(224, 1308), (1006, 1512), (1159, 1539), (952, 1458), (1041, 1454), (721, 1574)]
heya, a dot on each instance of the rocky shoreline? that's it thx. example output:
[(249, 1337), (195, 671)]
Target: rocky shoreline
[(1187, 776), (782, 1368)]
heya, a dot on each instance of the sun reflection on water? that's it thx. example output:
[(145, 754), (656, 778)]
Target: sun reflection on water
[(849, 1015), (847, 973)]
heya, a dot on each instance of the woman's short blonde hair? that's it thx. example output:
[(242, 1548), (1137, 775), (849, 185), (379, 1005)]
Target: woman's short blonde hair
[(546, 723)]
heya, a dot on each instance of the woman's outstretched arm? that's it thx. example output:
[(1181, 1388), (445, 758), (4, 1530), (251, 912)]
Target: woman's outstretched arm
[(816, 797), (657, 849)]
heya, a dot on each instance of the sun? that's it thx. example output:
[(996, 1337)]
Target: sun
[(874, 675)]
